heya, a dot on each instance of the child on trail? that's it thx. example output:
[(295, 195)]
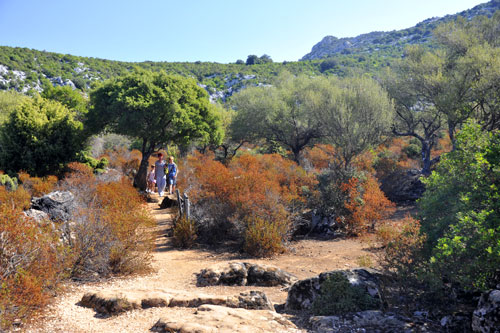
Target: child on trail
[(160, 174), (172, 175), (151, 180)]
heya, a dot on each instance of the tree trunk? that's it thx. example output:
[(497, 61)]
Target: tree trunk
[(426, 157), (140, 179)]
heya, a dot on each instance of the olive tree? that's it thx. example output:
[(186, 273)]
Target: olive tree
[(280, 113), (156, 108), (355, 112)]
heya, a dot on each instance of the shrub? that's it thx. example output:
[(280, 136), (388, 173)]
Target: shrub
[(402, 254), (460, 211), (184, 233), (263, 187), (39, 137), (9, 183), (110, 231), (365, 208), (338, 296), (37, 186), (264, 238), (32, 260)]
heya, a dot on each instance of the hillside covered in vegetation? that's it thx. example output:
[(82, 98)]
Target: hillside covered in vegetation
[(392, 43)]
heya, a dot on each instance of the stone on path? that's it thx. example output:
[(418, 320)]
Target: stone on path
[(219, 319), (245, 274), (114, 302)]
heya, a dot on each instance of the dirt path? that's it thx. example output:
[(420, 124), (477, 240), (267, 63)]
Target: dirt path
[(176, 269)]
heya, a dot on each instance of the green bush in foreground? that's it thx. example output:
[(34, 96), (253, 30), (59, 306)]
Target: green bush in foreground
[(460, 211), (338, 296)]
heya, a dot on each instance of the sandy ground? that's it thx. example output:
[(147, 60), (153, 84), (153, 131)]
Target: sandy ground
[(176, 269)]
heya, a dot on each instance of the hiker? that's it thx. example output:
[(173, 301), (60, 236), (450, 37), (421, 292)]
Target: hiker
[(160, 174), (151, 180), (172, 175)]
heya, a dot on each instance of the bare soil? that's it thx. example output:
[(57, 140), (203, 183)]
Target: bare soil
[(175, 269)]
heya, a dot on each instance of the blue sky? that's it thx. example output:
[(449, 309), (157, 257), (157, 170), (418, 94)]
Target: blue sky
[(191, 30)]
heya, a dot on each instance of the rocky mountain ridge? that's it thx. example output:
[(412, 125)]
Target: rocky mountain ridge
[(396, 39)]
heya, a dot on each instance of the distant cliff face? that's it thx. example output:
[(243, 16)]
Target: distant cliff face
[(373, 41)]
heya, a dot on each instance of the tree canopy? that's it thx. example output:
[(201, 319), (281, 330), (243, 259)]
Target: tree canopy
[(40, 137), (156, 108)]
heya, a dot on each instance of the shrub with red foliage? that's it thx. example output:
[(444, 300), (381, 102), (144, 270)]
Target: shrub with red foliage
[(252, 191), (37, 186), (366, 204), (32, 260)]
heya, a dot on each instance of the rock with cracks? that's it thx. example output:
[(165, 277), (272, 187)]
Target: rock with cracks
[(58, 205), (245, 274), (114, 302), (219, 319), (486, 317), (303, 293), (364, 321)]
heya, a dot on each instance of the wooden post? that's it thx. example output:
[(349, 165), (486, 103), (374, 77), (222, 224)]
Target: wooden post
[(179, 201), (187, 206)]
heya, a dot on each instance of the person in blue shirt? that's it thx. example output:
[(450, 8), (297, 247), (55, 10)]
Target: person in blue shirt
[(172, 174), (160, 174)]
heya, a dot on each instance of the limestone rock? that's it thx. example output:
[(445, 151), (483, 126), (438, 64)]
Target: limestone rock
[(219, 319), (58, 205), (242, 274), (486, 317), (37, 215), (113, 302), (302, 293), (364, 321)]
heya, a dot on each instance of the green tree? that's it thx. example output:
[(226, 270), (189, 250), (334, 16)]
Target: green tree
[(40, 137), (416, 115), (355, 114), (156, 108), (9, 100), (72, 99), (252, 59), (281, 113), (460, 210)]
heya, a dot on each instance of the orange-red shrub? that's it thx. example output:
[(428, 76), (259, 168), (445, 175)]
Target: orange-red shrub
[(251, 188), (37, 186), (401, 252), (31, 259), (366, 203)]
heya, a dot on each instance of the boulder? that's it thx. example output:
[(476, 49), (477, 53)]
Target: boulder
[(37, 215), (245, 274), (486, 317), (364, 321), (58, 205), (303, 293), (113, 302), (220, 319), (403, 186)]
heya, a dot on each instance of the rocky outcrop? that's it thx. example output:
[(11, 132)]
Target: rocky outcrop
[(303, 293), (365, 321), (245, 274), (114, 302), (217, 319), (403, 186), (486, 317), (58, 205)]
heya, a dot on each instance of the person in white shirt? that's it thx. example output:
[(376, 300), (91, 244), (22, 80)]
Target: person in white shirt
[(161, 179)]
